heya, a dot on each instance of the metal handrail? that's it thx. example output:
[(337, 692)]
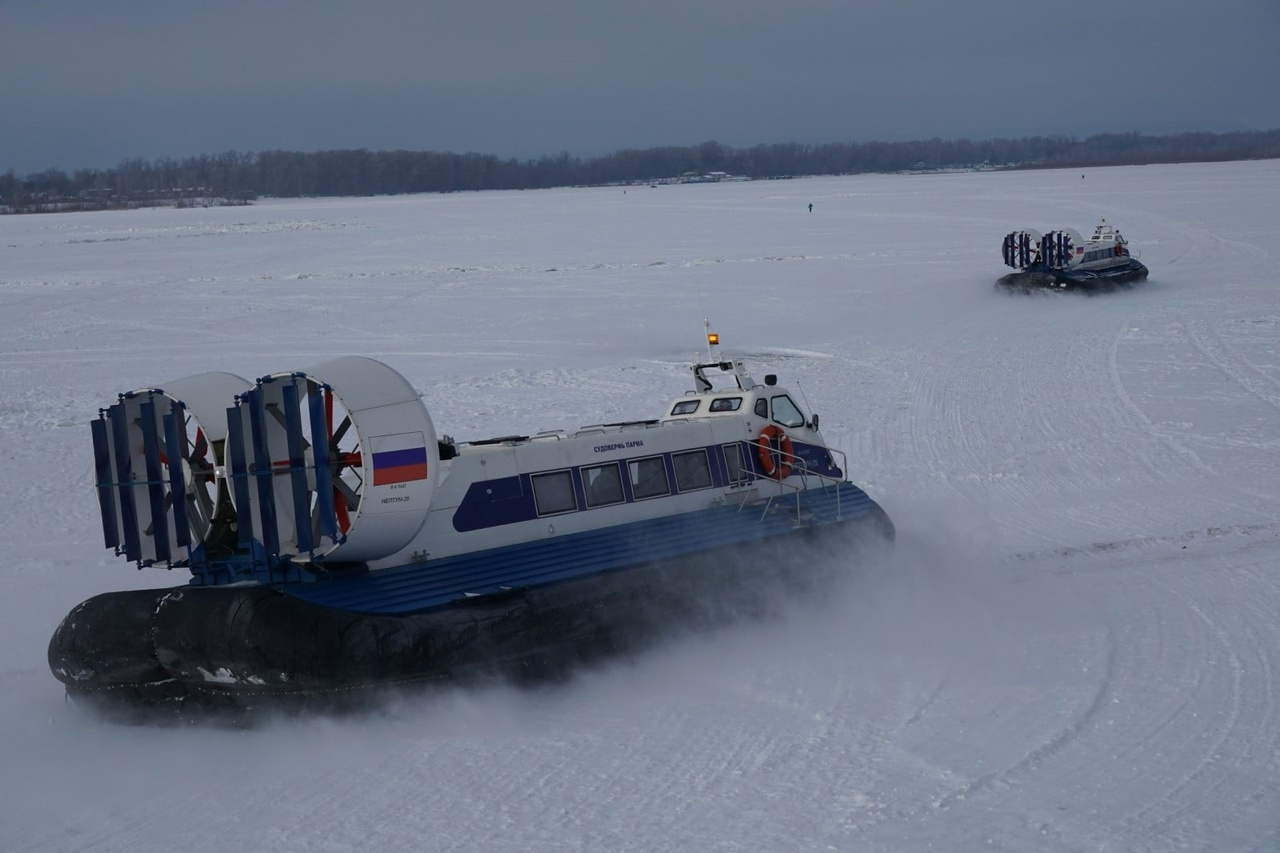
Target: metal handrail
[(799, 465)]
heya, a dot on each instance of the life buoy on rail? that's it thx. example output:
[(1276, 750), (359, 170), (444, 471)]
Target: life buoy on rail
[(774, 461)]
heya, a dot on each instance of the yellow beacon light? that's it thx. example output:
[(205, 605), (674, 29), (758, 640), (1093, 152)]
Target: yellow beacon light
[(713, 339)]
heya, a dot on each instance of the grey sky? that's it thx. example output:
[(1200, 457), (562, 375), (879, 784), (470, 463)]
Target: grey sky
[(86, 84)]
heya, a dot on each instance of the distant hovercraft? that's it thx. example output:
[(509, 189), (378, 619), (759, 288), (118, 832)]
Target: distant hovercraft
[(1062, 260)]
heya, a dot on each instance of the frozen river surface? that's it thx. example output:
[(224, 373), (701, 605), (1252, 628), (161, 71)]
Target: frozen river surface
[(1076, 646)]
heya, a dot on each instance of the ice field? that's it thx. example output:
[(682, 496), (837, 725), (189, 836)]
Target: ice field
[(1076, 646)]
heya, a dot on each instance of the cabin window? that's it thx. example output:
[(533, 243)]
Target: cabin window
[(735, 468), (762, 408), (603, 485), (726, 404), (685, 407), (692, 470), (553, 492), (786, 413), (648, 477)]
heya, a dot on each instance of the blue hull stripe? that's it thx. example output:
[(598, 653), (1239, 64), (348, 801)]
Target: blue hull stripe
[(424, 586)]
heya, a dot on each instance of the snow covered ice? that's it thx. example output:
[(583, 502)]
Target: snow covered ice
[(1075, 647)]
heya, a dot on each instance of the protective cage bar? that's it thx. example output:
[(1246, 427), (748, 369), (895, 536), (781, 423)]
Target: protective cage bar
[(297, 473), (141, 486), (282, 475), (1056, 249)]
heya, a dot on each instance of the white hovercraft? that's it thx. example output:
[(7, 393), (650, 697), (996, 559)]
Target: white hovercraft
[(336, 542), (1062, 260)]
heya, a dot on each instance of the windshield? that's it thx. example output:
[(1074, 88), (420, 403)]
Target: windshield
[(786, 412)]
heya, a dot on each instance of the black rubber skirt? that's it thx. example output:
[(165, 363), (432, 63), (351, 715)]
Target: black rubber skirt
[(255, 646)]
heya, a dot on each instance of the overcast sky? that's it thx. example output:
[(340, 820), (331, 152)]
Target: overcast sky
[(86, 84)]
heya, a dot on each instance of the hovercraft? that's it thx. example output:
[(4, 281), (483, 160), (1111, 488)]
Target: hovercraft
[(337, 543), (1063, 260)]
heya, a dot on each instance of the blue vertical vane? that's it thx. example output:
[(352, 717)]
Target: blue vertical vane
[(297, 466)]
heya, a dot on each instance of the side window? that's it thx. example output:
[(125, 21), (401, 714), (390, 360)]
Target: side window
[(786, 413), (692, 470), (685, 407), (553, 492), (733, 464), (726, 404), (762, 408), (603, 484), (648, 477)]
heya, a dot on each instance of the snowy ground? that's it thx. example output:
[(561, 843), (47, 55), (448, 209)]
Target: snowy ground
[(1076, 647)]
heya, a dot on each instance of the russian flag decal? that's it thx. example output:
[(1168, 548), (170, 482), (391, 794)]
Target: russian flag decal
[(400, 458)]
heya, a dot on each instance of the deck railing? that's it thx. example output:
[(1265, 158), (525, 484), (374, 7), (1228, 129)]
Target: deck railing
[(798, 482)]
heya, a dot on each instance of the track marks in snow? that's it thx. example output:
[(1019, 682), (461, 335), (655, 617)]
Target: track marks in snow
[(1214, 662), (1161, 698), (1089, 703), (1026, 403), (199, 230), (1210, 387), (1236, 537), (1231, 356)]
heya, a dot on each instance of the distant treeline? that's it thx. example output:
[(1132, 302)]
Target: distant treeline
[(238, 178)]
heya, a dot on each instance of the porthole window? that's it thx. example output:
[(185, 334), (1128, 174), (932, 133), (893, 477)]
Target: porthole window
[(603, 484), (692, 470), (685, 407), (553, 493), (648, 477)]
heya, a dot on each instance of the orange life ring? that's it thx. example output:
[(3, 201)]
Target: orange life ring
[(778, 468)]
